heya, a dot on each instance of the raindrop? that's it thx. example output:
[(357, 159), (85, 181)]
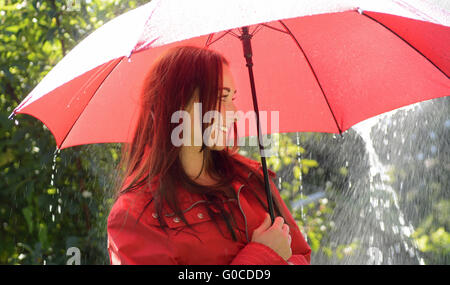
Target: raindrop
[(433, 149), (397, 247), (406, 231), (375, 255), (300, 176), (389, 261), (52, 182), (377, 214), (395, 230), (447, 123)]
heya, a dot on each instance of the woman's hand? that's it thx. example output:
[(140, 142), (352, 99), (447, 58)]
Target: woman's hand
[(275, 236)]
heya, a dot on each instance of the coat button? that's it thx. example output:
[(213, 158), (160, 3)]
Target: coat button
[(176, 220), (155, 215), (200, 215)]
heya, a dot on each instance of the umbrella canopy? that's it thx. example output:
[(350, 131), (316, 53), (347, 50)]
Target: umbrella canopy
[(323, 66)]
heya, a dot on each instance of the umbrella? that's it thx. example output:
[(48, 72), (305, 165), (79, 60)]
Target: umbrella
[(323, 65)]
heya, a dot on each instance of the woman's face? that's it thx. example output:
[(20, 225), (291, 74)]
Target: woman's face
[(221, 128), (227, 111)]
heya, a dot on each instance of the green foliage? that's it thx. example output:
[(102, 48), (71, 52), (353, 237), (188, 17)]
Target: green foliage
[(432, 237), (314, 219), (40, 221)]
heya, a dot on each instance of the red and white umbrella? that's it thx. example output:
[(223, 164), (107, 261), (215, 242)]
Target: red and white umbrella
[(323, 65)]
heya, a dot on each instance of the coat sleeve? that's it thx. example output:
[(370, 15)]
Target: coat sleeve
[(133, 242)]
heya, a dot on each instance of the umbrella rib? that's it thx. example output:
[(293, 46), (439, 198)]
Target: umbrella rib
[(210, 36), (314, 73), (259, 27), (221, 36), (273, 28), (406, 43), (101, 83)]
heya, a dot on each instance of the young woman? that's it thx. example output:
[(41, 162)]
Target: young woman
[(195, 203)]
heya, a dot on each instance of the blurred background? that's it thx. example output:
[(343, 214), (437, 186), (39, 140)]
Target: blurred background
[(379, 194)]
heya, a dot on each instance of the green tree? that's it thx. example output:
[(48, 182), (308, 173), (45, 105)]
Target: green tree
[(40, 221)]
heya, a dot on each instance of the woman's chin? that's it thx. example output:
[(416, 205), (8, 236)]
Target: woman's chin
[(217, 147)]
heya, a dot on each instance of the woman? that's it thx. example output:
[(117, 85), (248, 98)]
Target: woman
[(198, 202)]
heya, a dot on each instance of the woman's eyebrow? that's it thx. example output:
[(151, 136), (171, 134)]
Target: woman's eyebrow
[(229, 89)]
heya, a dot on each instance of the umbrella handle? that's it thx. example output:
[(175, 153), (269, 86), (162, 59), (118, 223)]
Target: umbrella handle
[(246, 44)]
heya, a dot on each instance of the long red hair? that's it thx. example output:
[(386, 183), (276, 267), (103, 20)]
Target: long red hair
[(151, 155)]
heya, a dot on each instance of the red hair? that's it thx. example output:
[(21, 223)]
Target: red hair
[(151, 155)]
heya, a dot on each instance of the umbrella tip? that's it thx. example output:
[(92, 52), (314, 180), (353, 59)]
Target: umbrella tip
[(57, 150), (11, 116), (129, 55), (360, 11)]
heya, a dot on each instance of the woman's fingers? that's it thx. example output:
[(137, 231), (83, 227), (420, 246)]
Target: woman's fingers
[(275, 236), (286, 228), (278, 223)]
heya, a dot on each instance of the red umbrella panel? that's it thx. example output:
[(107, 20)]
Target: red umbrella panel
[(323, 71)]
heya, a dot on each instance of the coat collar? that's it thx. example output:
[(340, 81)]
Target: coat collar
[(191, 203), (187, 199)]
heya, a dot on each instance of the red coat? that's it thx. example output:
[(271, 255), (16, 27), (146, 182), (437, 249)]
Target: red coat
[(145, 243)]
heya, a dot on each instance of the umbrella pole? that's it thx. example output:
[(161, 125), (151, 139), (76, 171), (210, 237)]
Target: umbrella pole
[(246, 44)]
